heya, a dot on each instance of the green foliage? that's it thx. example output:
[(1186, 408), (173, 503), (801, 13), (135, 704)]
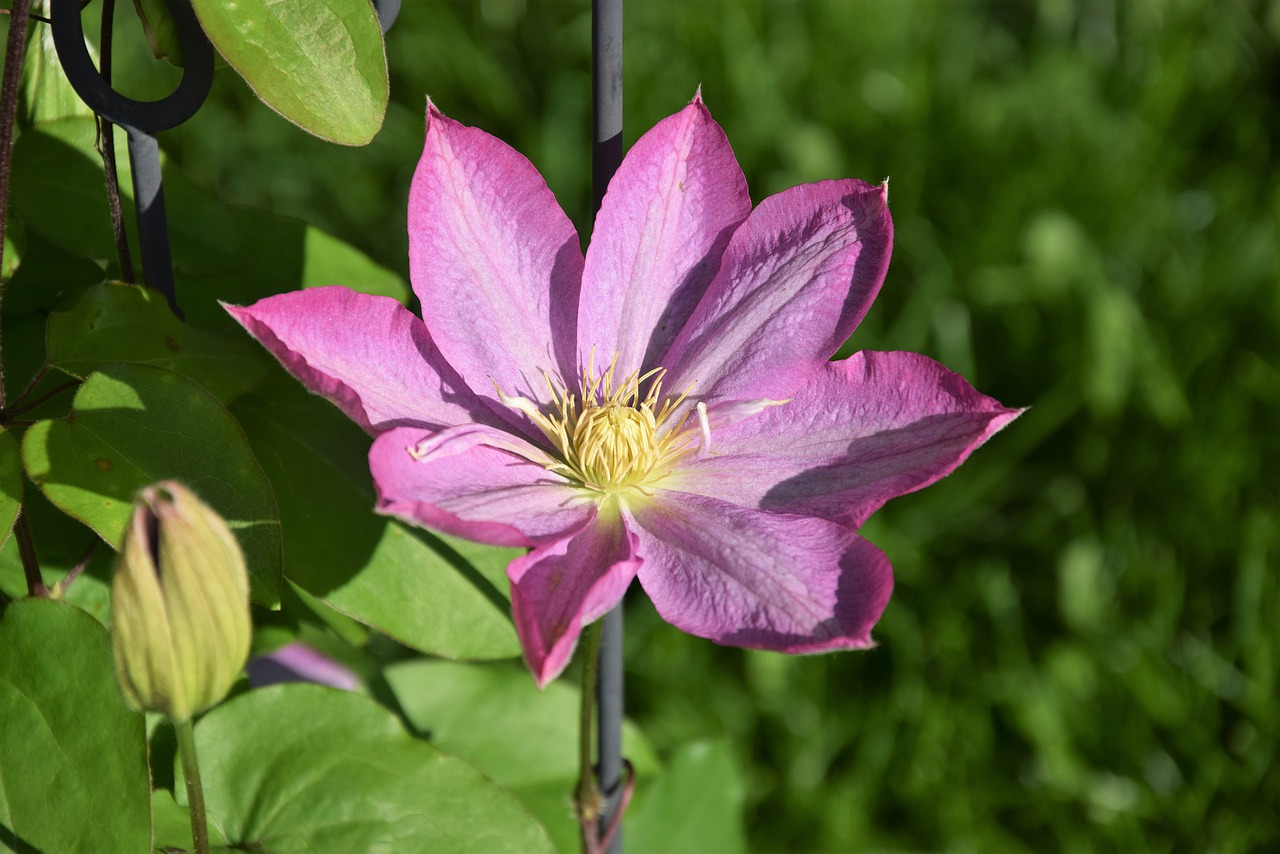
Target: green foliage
[(73, 769), (1080, 652), (132, 425), (114, 322), (10, 482), (414, 586), (302, 768), (526, 740), (319, 63)]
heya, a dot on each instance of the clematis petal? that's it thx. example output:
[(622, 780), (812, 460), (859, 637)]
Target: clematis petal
[(561, 587), (494, 261), (763, 580), (861, 431), (797, 277), (662, 227), (368, 354), (476, 482)]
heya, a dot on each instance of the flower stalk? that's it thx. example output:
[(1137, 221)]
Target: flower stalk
[(185, 732)]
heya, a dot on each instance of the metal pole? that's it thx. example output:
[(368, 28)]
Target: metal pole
[(606, 154)]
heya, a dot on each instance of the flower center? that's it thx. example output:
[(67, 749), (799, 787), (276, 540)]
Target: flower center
[(614, 438)]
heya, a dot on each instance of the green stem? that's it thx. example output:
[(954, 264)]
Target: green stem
[(587, 798), (195, 792)]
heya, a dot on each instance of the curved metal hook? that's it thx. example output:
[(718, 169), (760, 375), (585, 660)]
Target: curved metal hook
[(146, 116)]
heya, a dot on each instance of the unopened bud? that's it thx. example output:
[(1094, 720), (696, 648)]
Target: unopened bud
[(180, 627)]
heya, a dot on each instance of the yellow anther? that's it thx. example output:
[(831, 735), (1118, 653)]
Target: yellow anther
[(614, 438)]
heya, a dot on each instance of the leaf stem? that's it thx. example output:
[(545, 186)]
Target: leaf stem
[(14, 50), (587, 798), (195, 792), (27, 551)]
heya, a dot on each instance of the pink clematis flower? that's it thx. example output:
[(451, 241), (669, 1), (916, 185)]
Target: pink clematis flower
[(662, 408)]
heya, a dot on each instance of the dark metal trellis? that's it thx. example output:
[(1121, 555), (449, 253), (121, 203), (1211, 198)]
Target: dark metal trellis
[(141, 120), (606, 155)]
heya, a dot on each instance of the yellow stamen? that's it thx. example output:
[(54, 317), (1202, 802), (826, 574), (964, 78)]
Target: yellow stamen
[(615, 438)]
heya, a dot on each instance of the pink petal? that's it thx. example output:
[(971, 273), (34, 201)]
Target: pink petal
[(560, 587), (663, 225), (494, 261), (297, 662), (762, 580), (368, 354), (475, 482), (797, 278), (861, 431)]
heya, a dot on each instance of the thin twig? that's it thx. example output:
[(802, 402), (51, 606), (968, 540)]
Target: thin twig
[(586, 798), (107, 140), (60, 588), (20, 410), (30, 563), (14, 49)]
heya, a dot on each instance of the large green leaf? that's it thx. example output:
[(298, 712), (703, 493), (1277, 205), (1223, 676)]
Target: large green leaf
[(319, 63), (418, 588), (695, 806), (131, 425), (10, 482), (58, 187), (73, 758), (310, 769), (115, 322), (494, 717)]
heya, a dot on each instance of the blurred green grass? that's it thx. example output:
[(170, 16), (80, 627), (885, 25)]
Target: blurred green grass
[(1081, 651)]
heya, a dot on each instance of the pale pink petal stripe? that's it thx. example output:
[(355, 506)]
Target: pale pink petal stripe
[(475, 482), (797, 277), (494, 261), (762, 580), (860, 432), (664, 223), (561, 587), (368, 354)]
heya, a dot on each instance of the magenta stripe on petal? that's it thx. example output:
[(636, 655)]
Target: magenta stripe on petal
[(797, 278), (763, 580)]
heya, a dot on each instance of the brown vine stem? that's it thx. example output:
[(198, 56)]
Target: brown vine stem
[(14, 49), (106, 135)]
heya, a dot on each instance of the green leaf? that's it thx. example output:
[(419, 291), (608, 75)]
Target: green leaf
[(46, 271), (404, 582), (524, 739), (115, 322), (132, 425), (58, 187), (10, 482), (15, 245), (46, 93), (319, 63), (157, 24), (310, 769), (73, 758), (695, 806), (329, 261)]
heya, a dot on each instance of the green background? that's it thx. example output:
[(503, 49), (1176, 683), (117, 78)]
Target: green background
[(1081, 650)]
